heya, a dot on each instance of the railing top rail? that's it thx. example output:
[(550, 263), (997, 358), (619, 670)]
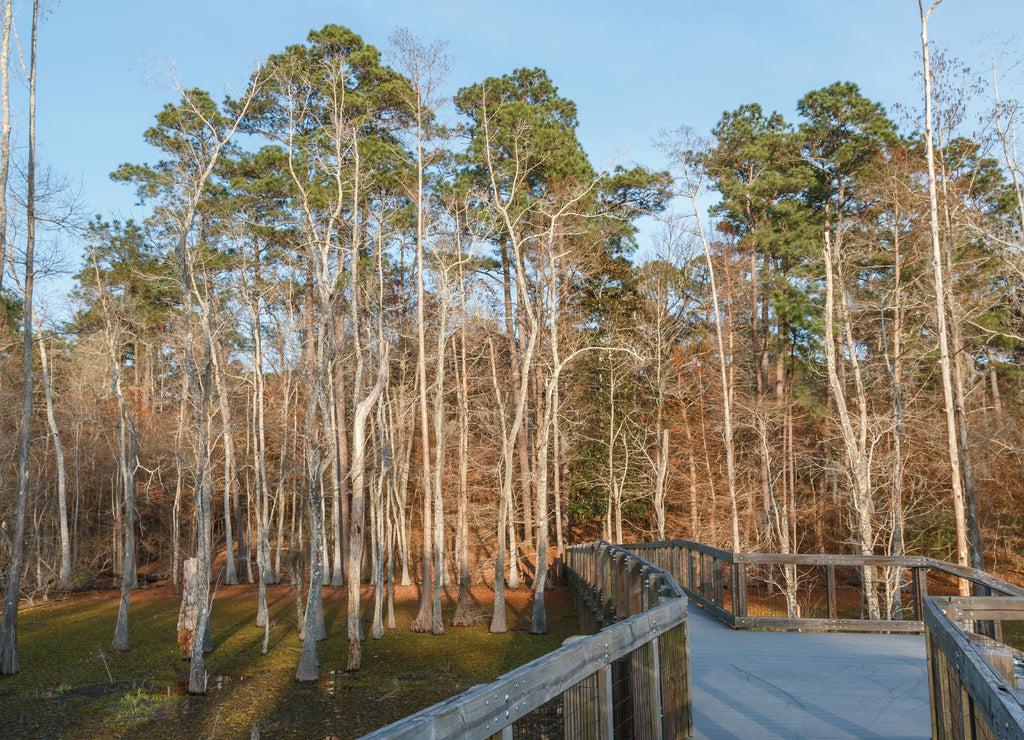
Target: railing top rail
[(968, 608), (907, 561), (482, 711), (978, 576), (669, 581), (717, 552)]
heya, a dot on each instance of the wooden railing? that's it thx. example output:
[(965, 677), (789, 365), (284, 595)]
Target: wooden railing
[(814, 592), (971, 677), (629, 680)]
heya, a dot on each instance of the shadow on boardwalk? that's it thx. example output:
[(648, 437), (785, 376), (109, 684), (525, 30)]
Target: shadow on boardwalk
[(751, 685)]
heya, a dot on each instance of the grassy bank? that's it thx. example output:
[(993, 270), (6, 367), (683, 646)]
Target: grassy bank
[(70, 685)]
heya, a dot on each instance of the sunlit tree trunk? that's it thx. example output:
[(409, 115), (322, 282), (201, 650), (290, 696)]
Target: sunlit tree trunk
[(462, 616), (127, 462), (956, 479), (66, 578), (219, 357), (355, 541), (854, 440)]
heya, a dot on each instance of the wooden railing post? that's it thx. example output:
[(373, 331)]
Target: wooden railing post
[(637, 578), (739, 590), (605, 714), (621, 592), (830, 590), (936, 668), (653, 669), (607, 586), (674, 664), (919, 581), (716, 582), (652, 594), (1001, 658)]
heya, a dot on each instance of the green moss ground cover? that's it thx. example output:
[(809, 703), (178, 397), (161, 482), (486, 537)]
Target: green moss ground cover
[(71, 686)]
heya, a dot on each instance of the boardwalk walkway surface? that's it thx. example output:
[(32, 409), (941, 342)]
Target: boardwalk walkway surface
[(751, 685)]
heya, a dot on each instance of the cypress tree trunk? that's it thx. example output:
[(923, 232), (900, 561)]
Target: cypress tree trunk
[(309, 666), (128, 461)]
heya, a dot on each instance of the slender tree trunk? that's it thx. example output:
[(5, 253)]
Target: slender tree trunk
[(402, 494), (390, 535), (971, 493), (281, 498), (199, 392), (424, 619), (176, 561), (723, 364), (340, 502), (462, 616), (355, 539), (440, 441), (498, 621), (309, 666), (230, 481), (513, 545), (993, 379), (894, 364), (9, 622), (691, 460), (855, 444), (66, 569), (128, 460), (956, 479), (5, 141), (258, 512), (379, 520)]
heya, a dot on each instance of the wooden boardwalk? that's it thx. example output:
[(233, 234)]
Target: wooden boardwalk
[(751, 685)]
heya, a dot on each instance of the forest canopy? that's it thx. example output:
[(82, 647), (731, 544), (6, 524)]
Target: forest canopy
[(412, 339)]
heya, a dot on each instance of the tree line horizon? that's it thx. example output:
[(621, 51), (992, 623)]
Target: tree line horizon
[(406, 345)]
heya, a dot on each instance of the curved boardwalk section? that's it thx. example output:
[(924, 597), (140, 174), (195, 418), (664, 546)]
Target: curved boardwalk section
[(750, 685)]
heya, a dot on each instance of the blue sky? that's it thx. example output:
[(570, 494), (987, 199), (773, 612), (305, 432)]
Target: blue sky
[(632, 69)]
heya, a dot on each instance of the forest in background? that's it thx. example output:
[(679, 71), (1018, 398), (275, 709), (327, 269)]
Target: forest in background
[(404, 339)]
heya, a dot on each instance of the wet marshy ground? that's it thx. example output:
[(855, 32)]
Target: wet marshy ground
[(71, 686)]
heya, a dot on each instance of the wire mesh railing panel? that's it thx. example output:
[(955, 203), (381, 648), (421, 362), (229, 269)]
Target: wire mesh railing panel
[(622, 700), (811, 592), (849, 581), (954, 702), (765, 596), (548, 722), (635, 709), (581, 710)]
